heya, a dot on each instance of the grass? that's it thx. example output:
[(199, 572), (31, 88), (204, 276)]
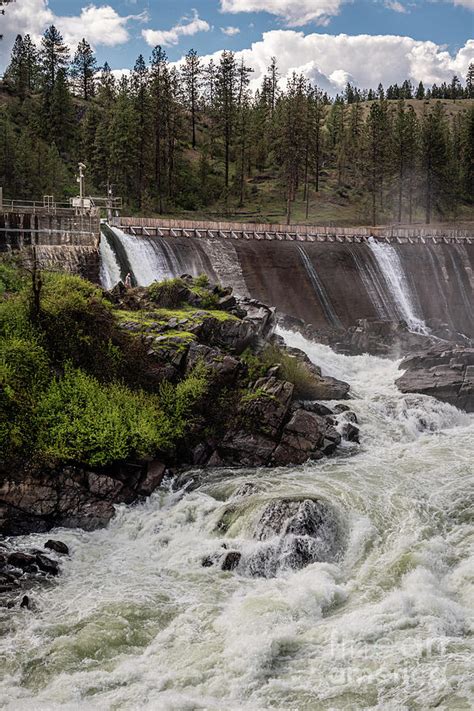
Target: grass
[(162, 316)]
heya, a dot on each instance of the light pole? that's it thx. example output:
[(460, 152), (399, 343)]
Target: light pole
[(81, 180)]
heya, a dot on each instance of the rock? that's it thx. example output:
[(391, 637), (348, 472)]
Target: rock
[(227, 302), (25, 602), (340, 407), (46, 564), (222, 368), (57, 546), (207, 562), (231, 560), (316, 407), (268, 409), (153, 478), (301, 435), (201, 453), (444, 373), (243, 448), (18, 559), (350, 432), (294, 533)]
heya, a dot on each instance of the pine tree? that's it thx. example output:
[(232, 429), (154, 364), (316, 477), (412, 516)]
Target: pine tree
[(374, 158), (7, 153), (226, 102), (467, 155), (470, 81), (21, 74), (83, 70), (141, 102), (54, 56), (106, 87), (434, 157), (159, 90), (61, 115), (192, 72)]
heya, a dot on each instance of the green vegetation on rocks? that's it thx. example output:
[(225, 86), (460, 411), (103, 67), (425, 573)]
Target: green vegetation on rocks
[(72, 386)]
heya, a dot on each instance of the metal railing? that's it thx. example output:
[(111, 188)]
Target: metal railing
[(38, 207)]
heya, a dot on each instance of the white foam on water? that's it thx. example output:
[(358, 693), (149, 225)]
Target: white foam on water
[(397, 282), (136, 622), (109, 266)]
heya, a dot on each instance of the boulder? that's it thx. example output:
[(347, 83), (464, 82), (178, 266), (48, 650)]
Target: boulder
[(153, 478), (57, 547), (222, 367), (444, 373), (301, 435)]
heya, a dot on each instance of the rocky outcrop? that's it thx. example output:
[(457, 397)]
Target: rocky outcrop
[(383, 338), (249, 414), (22, 570), (444, 373), (71, 496), (288, 534), (271, 429)]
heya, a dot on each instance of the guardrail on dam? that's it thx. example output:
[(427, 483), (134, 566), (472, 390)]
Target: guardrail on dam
[(153, 227)]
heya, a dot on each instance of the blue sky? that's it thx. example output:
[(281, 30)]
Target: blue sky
[(329, 40), (441, 22)]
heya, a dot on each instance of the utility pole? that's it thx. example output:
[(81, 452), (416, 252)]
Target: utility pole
[(109, 202), (81, 181)]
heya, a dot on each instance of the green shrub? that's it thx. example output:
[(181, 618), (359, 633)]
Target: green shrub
[(178, 402), (24, 372), (11, 279), (169, 293), (291, 369), (83, 420), (202, 280)]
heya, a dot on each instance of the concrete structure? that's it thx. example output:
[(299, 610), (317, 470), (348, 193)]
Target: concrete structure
[(153, 227), (61, 238)]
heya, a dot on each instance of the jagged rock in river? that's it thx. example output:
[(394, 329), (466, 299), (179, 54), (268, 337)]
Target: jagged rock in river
[(444, 373), (71, 496), (379, 337), (288, 534), (21, 570)]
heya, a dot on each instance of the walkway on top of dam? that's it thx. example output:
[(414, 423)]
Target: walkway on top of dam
[(154, 227)]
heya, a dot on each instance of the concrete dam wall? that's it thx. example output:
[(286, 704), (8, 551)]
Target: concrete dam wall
[(62, 240), (324, 283)]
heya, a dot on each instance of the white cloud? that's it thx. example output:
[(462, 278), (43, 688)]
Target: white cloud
[(395, 6), (100, 25), (230, 31), (465, 3), (330, 60), (295, 12), (187, 27)]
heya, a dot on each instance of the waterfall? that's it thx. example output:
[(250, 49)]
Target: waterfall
[(397, 282), (319, 288), (371, 280), (110, 272)]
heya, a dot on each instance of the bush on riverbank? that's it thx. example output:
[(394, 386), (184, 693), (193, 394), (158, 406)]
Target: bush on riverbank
[(65, 392)]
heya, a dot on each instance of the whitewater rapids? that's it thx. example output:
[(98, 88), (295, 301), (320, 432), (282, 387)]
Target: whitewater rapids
[(136, 622)]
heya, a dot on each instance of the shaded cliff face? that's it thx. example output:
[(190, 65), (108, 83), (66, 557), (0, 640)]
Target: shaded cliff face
[(326, 284)]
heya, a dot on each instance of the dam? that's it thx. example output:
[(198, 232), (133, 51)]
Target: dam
[(330, 277)]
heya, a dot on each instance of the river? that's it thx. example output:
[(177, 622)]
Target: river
[(136, 622)]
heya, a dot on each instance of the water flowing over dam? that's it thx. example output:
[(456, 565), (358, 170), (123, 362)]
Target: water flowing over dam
[(382, 620), (327, 284)]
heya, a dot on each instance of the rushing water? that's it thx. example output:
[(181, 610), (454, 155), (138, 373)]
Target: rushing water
[(136, 622), (391, 267)]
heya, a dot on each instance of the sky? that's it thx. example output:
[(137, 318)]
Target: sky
[(330, 41)]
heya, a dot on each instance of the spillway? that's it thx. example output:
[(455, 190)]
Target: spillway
[(326, 284)]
